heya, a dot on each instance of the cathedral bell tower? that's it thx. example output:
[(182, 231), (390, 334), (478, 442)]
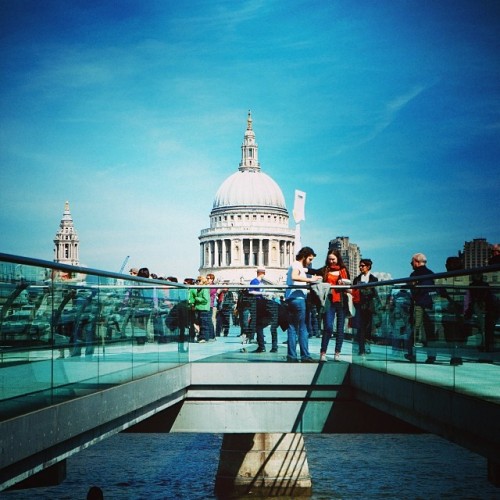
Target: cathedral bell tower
[(66, 241)]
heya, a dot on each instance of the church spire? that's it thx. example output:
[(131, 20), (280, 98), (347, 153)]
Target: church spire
[(66, 240), (249, 149)]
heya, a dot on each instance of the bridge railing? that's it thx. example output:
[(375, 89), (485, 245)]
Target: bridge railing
[(452, 339), (66, 331)]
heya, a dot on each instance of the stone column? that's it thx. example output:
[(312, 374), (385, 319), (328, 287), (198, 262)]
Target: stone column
[(260, 256), (223, 252), (237, 250), (217, 250), (263, 465), (250, 256)]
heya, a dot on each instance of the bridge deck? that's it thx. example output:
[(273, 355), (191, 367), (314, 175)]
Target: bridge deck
[(81, 376), (222, 381)]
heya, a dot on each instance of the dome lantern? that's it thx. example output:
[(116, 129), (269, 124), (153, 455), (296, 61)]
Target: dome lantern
[(249, 149)]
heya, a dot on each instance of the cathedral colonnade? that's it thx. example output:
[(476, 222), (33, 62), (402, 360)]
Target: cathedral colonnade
[(246, 252)]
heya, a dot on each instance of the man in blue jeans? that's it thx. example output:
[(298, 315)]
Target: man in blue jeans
[(258, 309)]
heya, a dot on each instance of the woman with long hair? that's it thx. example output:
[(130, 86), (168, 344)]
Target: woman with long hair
[(334, 273)]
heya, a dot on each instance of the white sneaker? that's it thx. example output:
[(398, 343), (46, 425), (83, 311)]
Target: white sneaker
[(322, 358), (336, 357)]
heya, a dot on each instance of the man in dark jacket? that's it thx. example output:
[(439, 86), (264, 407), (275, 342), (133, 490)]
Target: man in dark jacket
[(423, 329)]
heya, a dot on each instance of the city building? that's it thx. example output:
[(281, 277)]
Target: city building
[(476, 253), (66, 241), (249, 224), (349, 252)]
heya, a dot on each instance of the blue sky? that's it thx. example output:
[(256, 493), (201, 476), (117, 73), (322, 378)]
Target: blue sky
[(387, 114)]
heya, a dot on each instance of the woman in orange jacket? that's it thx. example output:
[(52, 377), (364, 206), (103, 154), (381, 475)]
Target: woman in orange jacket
[(334, 273)]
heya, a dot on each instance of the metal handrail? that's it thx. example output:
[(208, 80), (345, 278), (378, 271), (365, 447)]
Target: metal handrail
[(16, 259)]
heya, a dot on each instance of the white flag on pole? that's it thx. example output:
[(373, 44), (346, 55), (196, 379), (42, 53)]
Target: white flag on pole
[(299, 206)]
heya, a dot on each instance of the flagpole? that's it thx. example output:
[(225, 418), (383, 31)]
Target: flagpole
[(298, 216)]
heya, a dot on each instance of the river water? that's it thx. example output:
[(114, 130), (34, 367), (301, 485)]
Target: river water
[(347, 466)]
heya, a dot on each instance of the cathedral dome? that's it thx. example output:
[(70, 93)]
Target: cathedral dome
[(249, 224), (250, 188)]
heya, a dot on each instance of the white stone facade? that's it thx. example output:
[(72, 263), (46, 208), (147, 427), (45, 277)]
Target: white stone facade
[(249, 224)]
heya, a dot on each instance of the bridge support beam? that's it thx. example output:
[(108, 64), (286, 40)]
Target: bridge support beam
[(263, 465), (51, 476)]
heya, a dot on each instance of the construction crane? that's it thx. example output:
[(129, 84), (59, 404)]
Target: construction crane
[(124, 264)]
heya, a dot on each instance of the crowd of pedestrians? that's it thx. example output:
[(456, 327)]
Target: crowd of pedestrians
[(320, 302)]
